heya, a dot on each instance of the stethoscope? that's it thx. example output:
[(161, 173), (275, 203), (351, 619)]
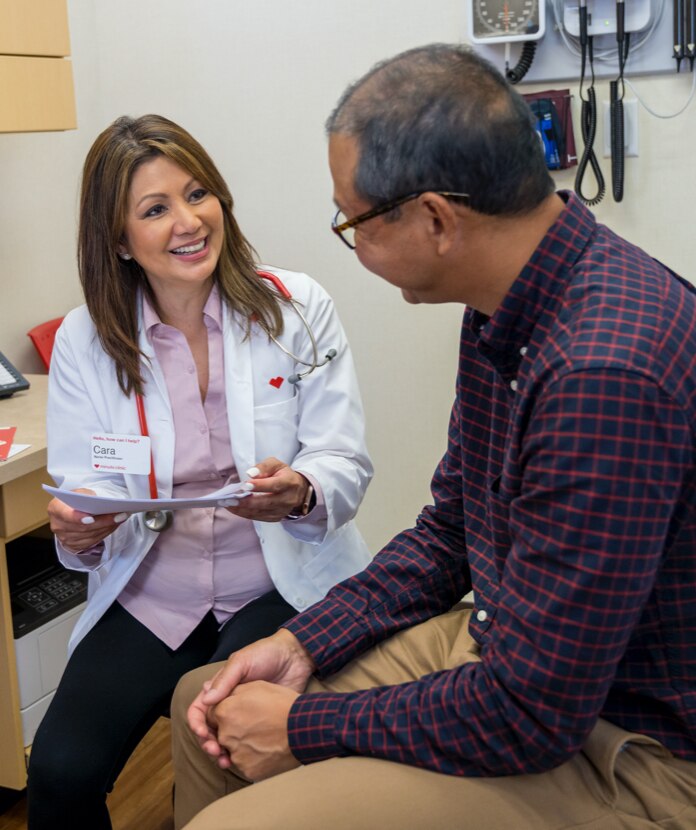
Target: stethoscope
[(159, 520), (315, 363)]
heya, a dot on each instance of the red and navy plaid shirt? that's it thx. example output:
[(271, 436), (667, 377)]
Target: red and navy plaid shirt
[(567, 501)]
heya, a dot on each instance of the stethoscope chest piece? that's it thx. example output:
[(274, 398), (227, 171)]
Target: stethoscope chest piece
[(158, 520)]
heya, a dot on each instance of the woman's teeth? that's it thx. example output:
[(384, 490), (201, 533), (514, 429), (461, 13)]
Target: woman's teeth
[(190, 249)]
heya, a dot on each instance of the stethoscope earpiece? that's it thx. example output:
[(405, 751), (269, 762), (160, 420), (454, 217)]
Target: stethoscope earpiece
[(312, 366)]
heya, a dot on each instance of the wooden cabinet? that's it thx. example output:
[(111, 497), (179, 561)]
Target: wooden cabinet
[(35, 76), (34, 27), (22, 509), (38, 95)]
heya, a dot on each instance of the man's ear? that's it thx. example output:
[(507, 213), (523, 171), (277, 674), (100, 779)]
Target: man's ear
[(442, 219)]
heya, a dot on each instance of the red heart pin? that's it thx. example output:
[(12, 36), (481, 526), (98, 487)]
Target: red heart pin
[(277, 382), (96, 465)]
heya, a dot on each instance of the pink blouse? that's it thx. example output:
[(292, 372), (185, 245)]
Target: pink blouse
[(208, 558)]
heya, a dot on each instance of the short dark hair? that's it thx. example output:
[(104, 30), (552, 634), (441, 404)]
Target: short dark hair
[(441, 117)]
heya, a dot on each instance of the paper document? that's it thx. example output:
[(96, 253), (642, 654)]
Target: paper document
[(96, 505), (15, 449)]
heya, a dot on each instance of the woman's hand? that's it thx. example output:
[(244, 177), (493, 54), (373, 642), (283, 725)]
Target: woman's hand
[(277, 490), (78, 531)]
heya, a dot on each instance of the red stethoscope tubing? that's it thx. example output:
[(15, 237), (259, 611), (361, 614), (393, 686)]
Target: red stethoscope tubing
[(140, 405), (276, 282)]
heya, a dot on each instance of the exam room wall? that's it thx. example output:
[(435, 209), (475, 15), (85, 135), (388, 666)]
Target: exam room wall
[(254, 80)]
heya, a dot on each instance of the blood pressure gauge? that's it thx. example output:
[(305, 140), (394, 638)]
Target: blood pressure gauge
[(506, 21)]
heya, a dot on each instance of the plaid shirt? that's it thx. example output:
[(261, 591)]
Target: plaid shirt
[(566, 500)]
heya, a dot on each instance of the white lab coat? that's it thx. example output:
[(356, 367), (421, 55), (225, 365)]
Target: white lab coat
[(316, 426)]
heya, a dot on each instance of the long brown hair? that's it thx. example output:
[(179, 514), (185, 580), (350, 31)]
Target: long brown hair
[(110, 284)]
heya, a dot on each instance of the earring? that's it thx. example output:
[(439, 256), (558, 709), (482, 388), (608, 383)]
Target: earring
[(125, 256)]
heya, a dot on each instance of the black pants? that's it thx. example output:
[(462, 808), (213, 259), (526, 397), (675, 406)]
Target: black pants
[(117, 683)]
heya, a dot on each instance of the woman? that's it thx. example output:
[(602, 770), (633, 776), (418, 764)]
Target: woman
[(183, 338)]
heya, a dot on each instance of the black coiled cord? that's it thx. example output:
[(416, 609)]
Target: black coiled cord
[(588, 127), (588, 118), (518, 72)]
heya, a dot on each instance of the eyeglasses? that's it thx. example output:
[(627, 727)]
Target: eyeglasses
[(345, 230)]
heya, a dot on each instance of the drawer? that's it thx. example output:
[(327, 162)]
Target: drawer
[(41, 658), (34, 27), (38, 94)]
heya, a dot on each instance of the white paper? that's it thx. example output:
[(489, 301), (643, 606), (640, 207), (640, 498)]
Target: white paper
[(96, 505), (17, 448)]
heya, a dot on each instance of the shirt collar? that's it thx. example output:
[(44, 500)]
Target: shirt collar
[(541, 282), (211, 309)]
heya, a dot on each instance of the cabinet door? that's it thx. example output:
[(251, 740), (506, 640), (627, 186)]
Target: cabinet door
[(34, 27), (38, 95)]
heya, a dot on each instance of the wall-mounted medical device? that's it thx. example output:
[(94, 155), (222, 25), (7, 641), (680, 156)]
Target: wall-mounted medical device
[(601, 17), (506, 21), (493, 28), (585, 40)]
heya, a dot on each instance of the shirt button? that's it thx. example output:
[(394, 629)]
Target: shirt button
[(513, 385), (203, 429), (211, 476), (191, 370), (482, 615), (523, 351), (299, 602)]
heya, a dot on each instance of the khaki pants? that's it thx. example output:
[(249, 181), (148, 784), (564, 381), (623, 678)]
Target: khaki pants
[(621, 781)]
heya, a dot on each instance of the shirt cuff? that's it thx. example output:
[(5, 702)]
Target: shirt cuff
[(95, 551), (311, 727)]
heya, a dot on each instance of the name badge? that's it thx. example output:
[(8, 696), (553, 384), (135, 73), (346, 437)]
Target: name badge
[(121, 454)]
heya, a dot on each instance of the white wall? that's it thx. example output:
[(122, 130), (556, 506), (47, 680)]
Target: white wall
[(254, 80)]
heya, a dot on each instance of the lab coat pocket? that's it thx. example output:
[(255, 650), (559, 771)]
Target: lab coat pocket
[(276, 427)]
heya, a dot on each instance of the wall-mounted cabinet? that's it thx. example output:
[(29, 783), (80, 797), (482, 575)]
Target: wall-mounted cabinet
[(35, 76)]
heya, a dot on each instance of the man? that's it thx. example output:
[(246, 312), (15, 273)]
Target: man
[(566, 696)]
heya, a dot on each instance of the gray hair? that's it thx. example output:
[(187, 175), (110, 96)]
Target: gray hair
[(440, 117)]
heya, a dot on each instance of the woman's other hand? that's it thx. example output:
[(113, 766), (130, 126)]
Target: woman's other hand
[(277, 491), (77, 531)]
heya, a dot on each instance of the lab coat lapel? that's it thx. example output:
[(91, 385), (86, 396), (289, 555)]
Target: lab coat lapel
[(239, 391)]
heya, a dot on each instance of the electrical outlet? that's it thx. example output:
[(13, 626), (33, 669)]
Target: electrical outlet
[(630, 109)]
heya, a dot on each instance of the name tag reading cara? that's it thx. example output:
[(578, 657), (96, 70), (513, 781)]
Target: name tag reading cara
[(121, 454)]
